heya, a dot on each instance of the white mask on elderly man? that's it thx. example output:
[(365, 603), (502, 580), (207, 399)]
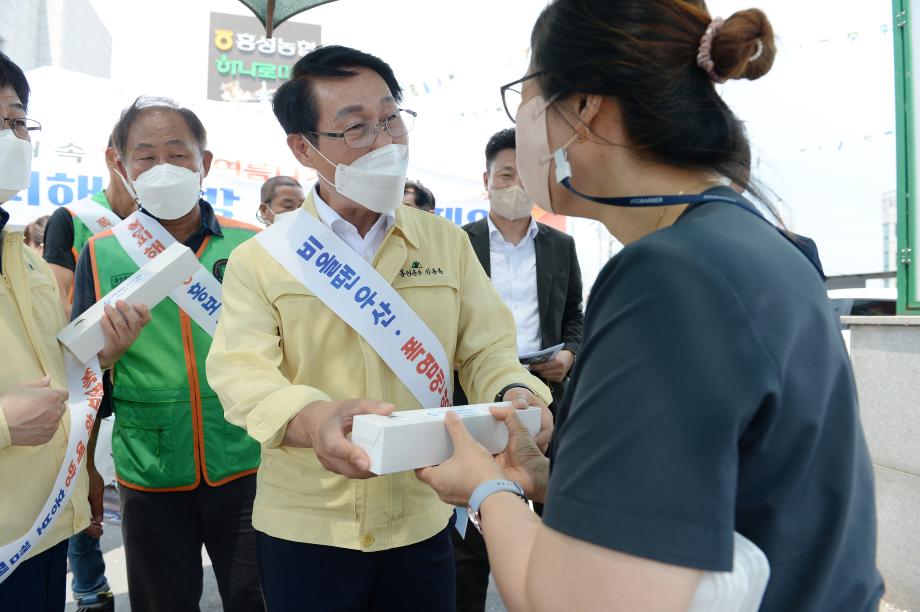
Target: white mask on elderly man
[(511, 203), (15, 164), (376, 180), (283, 215), (166, 191)]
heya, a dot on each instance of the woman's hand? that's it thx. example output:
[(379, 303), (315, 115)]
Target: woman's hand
[(470, 466), (522, 461), (521, 398)]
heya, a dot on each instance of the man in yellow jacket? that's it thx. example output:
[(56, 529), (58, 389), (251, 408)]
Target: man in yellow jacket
[(34, 418), (289, 369)]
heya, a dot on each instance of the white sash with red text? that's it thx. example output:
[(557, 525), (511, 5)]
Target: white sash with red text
[(84, 383), (143, 238), (356, 292), (94, 215)]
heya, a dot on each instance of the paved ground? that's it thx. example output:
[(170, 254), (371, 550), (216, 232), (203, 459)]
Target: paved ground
[(114, 554)]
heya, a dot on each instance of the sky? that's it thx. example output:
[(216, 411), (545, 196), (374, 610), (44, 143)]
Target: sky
[(821, 122)]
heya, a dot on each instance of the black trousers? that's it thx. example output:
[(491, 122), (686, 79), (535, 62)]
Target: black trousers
[(471, 562), (38, 584), (163, 535), (415, 578)]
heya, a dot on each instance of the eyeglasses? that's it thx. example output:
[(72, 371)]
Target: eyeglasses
[(363, 134), (21, 126), (511, 95)]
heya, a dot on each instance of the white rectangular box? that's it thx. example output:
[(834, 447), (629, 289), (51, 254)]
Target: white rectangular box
[(413, 439), (148, 286)]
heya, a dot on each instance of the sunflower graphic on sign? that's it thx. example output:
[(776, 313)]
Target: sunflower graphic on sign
[(223, 39)]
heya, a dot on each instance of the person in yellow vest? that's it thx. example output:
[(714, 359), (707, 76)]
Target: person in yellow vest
[(292, 371), (73, 224), (34, 418), (186, 475)]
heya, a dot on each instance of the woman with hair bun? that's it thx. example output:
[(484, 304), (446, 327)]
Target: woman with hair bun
[(712, 414)]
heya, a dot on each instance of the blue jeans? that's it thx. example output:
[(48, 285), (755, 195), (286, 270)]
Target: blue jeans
[(87, 565)]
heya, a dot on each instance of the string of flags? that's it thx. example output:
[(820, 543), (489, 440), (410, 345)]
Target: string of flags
[(854, 36), (435, 84), (840, 145), (421, 88)]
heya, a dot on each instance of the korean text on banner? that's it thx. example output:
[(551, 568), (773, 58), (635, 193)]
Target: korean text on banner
[(357, 293), (84, 383), (143, 238)]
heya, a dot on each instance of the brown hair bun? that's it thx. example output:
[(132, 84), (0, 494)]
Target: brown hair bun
[(744, 47)]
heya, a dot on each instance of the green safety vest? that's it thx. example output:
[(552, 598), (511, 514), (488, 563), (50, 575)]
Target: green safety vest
[(170, 427), (81, 233)]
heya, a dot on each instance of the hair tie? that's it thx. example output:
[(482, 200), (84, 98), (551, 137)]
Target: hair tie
[(704, 56), (758, 52)]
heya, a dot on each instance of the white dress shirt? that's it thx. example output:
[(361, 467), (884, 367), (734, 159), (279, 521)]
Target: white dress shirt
[(514, 274), (367, 246)]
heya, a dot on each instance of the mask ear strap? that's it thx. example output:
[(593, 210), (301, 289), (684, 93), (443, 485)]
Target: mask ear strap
[(330, 183), (128, 187), (259, 214), (310, 144), (563, 168)]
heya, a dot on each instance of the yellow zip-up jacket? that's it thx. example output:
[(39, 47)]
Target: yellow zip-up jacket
[(279, 348), (30, 318)]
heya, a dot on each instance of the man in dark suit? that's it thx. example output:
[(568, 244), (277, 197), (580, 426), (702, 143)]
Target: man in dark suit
[(535, 270)]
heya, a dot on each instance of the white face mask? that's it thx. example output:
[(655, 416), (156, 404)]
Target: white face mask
[(511, 203), (166, 191), (282, 216), (376, 181), (275, 218), (15, 164)]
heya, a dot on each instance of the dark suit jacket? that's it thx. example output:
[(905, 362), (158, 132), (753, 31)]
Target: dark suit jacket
[(559, 291)]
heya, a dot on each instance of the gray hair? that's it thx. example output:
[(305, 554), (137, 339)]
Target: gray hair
[(145, 104), (270, 186)]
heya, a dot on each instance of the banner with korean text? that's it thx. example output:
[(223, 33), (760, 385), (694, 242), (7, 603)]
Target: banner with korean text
[(68, 162), (143, 238), (84, 384)]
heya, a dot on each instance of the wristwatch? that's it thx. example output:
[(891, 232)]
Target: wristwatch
[(500, 397), (486, 489)]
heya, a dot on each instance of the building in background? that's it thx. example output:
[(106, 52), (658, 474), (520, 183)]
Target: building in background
[(62, 33), (890, 235)]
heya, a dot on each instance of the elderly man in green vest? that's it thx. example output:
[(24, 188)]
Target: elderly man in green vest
[(187, 476)]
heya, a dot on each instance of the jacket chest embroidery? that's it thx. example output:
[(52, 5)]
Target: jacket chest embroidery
[(416, 269)]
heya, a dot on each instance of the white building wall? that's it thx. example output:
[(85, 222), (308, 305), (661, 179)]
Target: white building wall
[(63, 33), (19, 31)]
